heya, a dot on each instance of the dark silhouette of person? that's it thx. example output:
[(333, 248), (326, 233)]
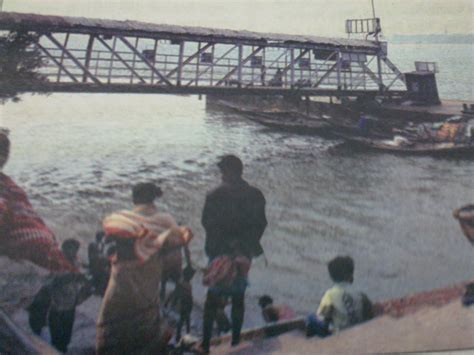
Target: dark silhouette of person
[(99, 266), (234, 220), (56, 302), (263, 73), (278, 78), (182, 299)]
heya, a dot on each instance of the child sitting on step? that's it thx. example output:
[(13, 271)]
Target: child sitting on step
[(342, 306)]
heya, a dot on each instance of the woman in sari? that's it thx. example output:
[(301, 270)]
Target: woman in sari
[(129, 319)]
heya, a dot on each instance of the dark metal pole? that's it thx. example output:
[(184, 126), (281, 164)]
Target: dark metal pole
[(198, 60), (155, 48), (112, 56), (339, 62), (180, 63), (62, 58), (292, 67), (134, 60), (90, 44), (239, 71), (379, 69), (213, 64)]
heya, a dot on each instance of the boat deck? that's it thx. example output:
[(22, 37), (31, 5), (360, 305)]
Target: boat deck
[(447, 107), (440, 112)]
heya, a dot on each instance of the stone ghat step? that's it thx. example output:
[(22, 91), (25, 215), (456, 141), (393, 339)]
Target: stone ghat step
[(447, 329), (400, 307)]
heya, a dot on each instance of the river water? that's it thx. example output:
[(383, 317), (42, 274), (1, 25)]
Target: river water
[(77, 156)]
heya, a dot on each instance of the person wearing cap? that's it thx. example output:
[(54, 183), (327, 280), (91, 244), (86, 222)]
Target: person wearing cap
[(129, 318), (23, 234), (234, 220)]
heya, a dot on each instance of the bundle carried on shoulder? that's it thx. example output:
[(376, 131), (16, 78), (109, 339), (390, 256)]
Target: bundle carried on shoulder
[(129, 225), (24, 233)]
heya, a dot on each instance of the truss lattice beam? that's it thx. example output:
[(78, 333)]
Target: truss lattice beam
[(188, 60), (214, 62), (242, 62), (321, 79), (85, 53), (371, 74), (144, 60), (394, 68), (120, 58), (73, 58), (58, 63)]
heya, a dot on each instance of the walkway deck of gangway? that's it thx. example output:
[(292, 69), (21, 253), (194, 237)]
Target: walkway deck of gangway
[(95, 55)]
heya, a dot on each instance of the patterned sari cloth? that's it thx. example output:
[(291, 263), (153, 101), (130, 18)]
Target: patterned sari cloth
[(129, 319), (23, 234)]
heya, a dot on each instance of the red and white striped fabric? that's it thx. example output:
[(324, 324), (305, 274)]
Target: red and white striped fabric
[(223, 270), (23, 234), (145, 228)]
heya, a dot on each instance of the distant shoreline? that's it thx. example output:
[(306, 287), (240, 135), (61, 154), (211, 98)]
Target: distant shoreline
[(433, 39)]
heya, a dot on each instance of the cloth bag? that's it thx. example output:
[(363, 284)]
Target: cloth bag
[(223, 270)]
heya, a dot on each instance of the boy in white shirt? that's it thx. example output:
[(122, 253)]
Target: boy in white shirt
[(342, 306)]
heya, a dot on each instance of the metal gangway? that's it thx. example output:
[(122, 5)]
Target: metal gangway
[(95, 55)]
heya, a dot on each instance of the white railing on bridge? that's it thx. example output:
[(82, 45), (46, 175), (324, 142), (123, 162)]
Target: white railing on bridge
[(119, 64)]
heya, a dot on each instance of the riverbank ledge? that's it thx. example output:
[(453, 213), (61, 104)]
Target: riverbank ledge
[(428, 321)]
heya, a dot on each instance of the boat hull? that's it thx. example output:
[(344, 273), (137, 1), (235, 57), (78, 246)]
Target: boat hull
[(434, 149)]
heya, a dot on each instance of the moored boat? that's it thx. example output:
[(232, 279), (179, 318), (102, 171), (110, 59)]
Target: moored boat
[(291, 122), (411, 147)]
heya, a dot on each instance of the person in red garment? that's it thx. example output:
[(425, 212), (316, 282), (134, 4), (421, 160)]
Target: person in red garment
[(23, 234)]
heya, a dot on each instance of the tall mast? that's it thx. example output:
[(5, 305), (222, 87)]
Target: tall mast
[(377, 28)]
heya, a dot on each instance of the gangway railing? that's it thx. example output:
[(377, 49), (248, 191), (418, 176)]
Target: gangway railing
[(105, 55)]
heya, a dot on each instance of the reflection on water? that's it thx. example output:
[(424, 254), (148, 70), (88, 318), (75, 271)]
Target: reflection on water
[(78, 156)]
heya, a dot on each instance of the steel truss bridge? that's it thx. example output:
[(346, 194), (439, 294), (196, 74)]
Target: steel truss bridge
[(93, 55)]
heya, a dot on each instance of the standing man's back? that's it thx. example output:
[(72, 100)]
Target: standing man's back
[(234, 216), (234, 220)]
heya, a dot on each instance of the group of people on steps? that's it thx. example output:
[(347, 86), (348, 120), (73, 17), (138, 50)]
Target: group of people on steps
[(142, 246)]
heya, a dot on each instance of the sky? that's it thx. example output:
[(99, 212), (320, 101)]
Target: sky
[(310, 17)]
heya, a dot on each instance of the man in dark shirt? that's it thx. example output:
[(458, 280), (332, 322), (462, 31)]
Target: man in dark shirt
[(234, 220)]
